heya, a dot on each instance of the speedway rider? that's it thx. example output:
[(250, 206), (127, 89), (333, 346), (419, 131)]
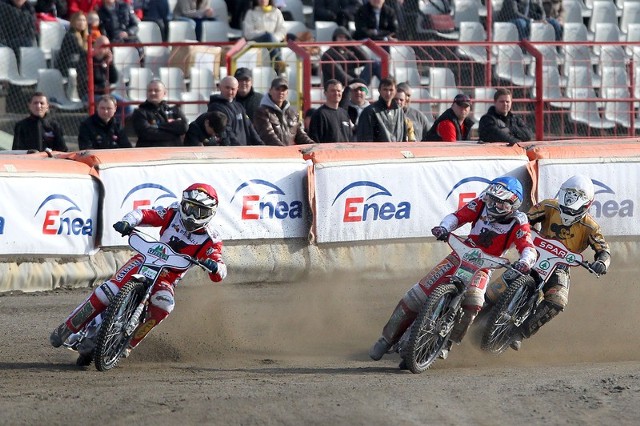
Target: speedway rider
[(565, 219), (496, 225), (185, 226)]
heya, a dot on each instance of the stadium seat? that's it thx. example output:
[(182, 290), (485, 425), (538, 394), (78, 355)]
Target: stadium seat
[(575, 11), (149, 32), (324, 30), (262, 77), (630, 15), (295, 27), (481, 102), (439, 79), (202, 81), (193, 111), (139, 78), (606, 32), (466, 11), (50, 82), (173, 79), (125, 57), (582, 108), (31, 60), (614, 85), (473, 32), (181, 31), (510, 66), (51, 35), (603, 11), (9, 69), (215, 31), (552, 88)]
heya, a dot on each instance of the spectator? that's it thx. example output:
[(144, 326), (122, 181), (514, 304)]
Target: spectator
[(237, 10), (330, 123), (401, 100), (93, 22), (105, 72), (101, 130), (277, 122), (521, 13), (52, 10), (209, 129), (38, 132), (196, 11), (307, 118), (85, 6), (17, 24), (155, 122), (500, 125), (119, 21), (383, 120), (377, 21), (239, 126), (248, 98), (554, 12), (340, 62), (454, 124), (358, 93), (73, 50), (420, 121), (339, 11), (157, 11), (264, 23)]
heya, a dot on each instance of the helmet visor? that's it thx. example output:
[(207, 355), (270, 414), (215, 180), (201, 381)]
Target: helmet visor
[(571, 212), (196, 210), (495, 204)]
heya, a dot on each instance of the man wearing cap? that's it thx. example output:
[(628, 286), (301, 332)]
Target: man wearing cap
[(454, 124), (239, 127), (421, 123), (249, 98), (277, 122), (358, 94), (383, 120), (330, 123), (500, 125)]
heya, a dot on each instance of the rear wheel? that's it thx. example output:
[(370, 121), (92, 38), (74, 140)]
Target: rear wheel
[(508, 314), (112, 339), (431, 329)]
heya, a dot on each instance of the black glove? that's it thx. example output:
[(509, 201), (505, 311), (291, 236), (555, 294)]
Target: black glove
[(599, 267), (124, 228), (521, 267), (440, 232), (211, 265)]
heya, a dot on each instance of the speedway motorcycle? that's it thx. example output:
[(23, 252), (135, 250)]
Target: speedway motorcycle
[(429, 334), (520, 300), (112, 331)]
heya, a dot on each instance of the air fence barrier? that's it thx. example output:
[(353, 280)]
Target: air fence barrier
[(287, 213)]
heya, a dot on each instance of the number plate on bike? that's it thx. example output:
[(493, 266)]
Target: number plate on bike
[(148, 272)]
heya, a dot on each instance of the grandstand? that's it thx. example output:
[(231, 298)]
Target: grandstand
[(585, 85)]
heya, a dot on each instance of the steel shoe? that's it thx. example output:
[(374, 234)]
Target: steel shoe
[(379, 348), (59, 335)]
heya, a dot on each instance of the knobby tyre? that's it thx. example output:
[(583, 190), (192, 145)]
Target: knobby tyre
[(431, 329), (111, 338), (507, 315)]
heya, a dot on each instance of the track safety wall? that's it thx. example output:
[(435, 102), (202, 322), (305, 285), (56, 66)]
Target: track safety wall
[(285, 212)]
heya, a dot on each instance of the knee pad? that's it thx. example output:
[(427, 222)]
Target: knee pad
[(414, 298), (106, 292), (557, 296), (163, 300)]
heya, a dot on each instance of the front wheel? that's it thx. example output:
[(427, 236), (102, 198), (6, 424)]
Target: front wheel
[(112, 339), (431, 329), (508, 314)]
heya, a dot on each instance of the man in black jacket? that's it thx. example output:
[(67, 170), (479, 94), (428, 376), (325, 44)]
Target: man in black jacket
[(101, 131), (384, 26), (500, 125), (454, 124), (247, 96), (155, 122), (38, 132), (209, 129), (239, 126)]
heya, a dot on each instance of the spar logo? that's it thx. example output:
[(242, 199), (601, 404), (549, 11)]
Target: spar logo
[(62, 216), (146, 195), (377, 206), (262, 199), (465, 197), (609, 207)]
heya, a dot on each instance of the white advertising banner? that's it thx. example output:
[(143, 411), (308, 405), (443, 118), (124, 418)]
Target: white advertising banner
[(399, 199), (616, 189), (48, 215), (257, 200)]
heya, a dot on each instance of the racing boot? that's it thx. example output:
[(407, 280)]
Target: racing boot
[(59, 335), (379, 348), (461, 327)]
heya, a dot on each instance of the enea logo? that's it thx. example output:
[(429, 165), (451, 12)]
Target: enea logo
[(610, 207), (141, 195), (65, 220), (465, 197), (357, 209), (269, 205)]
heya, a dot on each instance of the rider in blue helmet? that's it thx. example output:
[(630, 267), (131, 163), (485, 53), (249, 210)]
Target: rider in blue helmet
[(503, 197)]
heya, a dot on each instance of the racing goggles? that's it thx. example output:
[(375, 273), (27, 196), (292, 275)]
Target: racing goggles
[(573, 212), (196, 211), (498, 205)]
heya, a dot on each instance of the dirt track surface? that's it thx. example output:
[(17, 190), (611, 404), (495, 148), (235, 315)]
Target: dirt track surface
[(296, 354)]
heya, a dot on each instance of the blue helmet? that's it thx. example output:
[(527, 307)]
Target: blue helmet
[(503, 197)]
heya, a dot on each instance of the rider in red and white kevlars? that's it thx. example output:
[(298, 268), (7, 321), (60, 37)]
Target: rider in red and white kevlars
[(186, 227), (496, 225)]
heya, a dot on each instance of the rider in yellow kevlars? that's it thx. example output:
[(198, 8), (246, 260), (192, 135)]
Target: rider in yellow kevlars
[(565, 219)]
